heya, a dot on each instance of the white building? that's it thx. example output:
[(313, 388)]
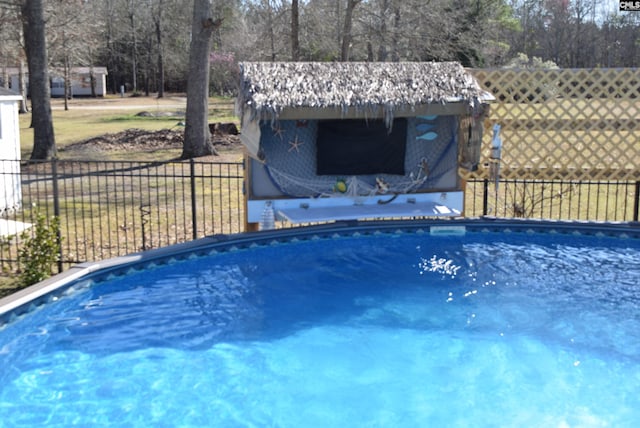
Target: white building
[(10, 189), (80, 81)]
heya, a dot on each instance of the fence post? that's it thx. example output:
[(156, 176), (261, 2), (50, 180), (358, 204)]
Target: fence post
[(56, 209), (636, 204), (485, 197), (145, 212), (194, 216)]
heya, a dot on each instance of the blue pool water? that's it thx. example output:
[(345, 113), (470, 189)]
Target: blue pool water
[(379, 330)]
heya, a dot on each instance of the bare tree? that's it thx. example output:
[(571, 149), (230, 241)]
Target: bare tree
[(376, 19), (132, 7), (197, 138), (150, 39), (109, 40), (583, 34), (72, 37), (157, 21), (295, 30), (22, 83), (320, 41), (9, 43), (270, 21), (12, 48), (346, 31), (44, 144)]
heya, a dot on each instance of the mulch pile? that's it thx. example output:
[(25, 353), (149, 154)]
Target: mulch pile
[(139, 140)]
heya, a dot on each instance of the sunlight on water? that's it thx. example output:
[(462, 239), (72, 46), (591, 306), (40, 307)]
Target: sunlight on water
[(439, 265)]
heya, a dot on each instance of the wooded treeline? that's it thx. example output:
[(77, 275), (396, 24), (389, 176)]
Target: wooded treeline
[(145, 43)]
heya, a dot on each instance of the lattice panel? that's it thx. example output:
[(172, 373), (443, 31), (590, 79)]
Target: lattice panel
[(580, 124)]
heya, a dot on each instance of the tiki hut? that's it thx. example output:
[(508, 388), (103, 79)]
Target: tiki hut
[(334, 141)]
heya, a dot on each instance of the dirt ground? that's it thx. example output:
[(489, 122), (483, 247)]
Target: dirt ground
[(142, 141), (224, 136)]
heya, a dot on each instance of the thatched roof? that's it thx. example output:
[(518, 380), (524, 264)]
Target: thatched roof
[(267, 89)]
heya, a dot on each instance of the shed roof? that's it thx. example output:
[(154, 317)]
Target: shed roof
[(59, 71), (9, 94), (14, 71), (271, 90)]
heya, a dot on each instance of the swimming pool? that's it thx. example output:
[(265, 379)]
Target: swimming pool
[(456, 323)]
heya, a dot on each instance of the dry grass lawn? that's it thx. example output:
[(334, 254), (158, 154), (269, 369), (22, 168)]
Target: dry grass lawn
[(90, 117)]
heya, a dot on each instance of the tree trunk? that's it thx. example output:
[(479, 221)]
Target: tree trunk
[(160, 73), (5, 76), (395, 42), (197, 138), (270, 29), (67, 82), (110, 45), (382, 31), (44, 145), (148, 71), (22, 82), (134, 47), (92, 81), (346, 32), (295, 30), (160, 42)]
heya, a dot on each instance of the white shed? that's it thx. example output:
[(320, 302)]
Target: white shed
[(81, 80), (10, 188)]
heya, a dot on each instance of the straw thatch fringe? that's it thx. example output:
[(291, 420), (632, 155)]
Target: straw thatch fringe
[(268, 87)]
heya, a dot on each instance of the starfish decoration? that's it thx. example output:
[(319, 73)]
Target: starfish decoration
[(277, 131), (295, 144)]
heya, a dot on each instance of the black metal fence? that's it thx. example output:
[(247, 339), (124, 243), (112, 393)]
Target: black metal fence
[(614, 200), (112, 208)]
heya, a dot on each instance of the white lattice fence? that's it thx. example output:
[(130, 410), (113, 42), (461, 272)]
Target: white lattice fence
[(571, 124)]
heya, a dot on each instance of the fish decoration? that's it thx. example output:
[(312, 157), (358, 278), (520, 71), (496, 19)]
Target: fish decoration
[(428, 136)]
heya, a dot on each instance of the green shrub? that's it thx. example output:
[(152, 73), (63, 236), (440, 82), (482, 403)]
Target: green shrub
[(40, 250)]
